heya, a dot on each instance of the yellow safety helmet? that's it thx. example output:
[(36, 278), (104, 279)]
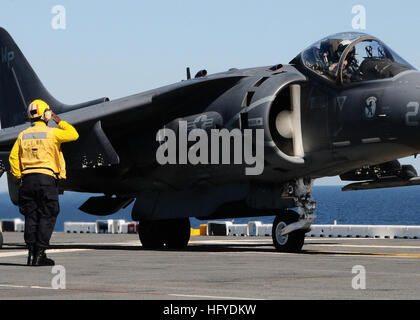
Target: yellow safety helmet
[(37, 109)]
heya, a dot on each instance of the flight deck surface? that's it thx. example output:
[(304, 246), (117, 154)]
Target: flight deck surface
[(109, 266)]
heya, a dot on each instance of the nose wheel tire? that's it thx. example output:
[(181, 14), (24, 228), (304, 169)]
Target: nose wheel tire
[(170, 234), (292, 242)]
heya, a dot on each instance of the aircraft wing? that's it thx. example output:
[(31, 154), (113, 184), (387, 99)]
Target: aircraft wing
[(145, 105)]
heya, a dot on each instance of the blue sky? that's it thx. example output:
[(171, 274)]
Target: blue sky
[(115, 49)]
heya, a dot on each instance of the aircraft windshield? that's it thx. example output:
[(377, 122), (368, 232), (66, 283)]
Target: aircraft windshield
[(372, 60), (364, 59)]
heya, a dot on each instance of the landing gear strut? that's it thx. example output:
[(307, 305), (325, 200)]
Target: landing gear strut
[(289, 227), (170, 234)]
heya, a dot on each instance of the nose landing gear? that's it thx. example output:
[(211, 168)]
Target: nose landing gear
[(291, 242), (289, 227)]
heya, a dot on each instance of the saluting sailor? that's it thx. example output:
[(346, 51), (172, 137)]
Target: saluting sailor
[(36, 158)]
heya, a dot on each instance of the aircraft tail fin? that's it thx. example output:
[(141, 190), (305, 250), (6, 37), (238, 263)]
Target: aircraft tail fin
[(19, 84)]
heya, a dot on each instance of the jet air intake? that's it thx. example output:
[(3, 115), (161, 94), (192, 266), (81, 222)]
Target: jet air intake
[(285, 121)]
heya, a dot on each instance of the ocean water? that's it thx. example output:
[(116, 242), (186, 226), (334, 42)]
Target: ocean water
[(398, 206)]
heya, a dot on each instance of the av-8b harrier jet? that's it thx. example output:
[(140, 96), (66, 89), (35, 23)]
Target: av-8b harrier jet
[(348, 106)]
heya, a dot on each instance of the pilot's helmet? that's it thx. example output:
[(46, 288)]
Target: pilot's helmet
[(341, 47), (325, 48), (328, 50)]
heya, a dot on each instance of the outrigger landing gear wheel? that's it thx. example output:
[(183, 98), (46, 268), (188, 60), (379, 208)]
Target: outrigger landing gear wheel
[(292, 242), (170, 234)]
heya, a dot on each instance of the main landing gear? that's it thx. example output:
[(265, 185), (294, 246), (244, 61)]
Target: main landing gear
[(288, 231), (289, 227), (169, 234)]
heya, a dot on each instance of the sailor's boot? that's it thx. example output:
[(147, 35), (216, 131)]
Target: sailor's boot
[(31, 254), (41, 259)]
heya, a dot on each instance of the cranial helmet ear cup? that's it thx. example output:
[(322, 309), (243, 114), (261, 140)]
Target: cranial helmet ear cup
[(47, 115)]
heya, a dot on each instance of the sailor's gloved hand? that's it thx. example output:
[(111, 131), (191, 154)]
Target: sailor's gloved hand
[(56, 118)]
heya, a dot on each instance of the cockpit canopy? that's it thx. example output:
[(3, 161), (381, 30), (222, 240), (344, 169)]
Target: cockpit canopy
[(352, 57)]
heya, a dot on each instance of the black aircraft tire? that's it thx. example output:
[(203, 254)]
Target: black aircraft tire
[(177, 233), (1, 240), (291, 243), (151, 234)]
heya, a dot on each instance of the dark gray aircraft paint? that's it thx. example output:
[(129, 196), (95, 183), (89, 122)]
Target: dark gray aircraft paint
[(348, 105)]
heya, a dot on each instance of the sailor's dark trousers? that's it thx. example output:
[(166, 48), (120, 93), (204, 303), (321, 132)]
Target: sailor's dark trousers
[(38, 202)]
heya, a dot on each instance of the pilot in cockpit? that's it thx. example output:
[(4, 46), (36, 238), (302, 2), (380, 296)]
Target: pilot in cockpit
[(328, 52), (365, 59), (331, 51)]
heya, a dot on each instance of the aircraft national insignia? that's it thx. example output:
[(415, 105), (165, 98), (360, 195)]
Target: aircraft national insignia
[(201, 122), (370, 108)]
